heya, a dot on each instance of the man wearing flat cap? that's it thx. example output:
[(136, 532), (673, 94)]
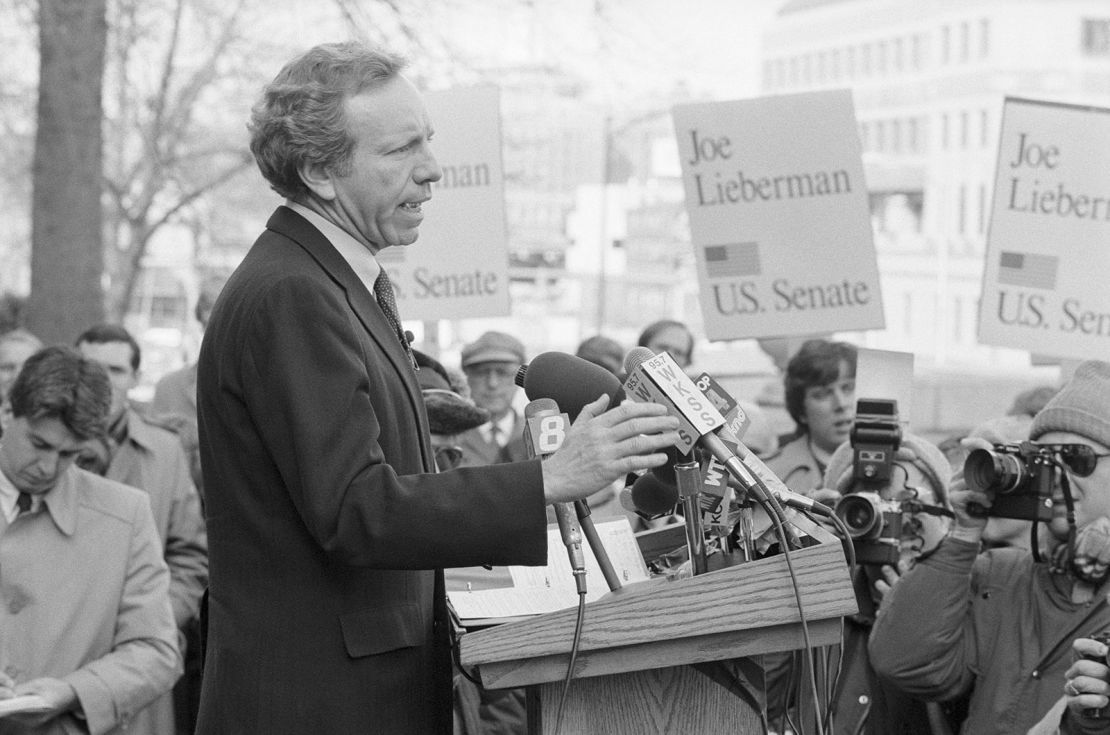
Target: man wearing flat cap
[(490, 363)]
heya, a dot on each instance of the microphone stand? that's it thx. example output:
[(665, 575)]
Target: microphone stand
[(688, 478), (582, 508)]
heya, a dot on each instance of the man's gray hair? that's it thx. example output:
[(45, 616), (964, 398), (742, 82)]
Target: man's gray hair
[(301, 117)]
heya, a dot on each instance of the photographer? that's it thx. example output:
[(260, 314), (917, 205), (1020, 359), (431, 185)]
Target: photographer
[(913, 489), (1000, 624)]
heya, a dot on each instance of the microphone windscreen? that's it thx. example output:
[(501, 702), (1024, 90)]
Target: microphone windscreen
[(653, 497), (570, 381), (665, 472), (538, 406), (636, 357)]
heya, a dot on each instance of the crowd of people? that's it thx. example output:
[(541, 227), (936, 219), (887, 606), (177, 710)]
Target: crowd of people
[(281, 524)]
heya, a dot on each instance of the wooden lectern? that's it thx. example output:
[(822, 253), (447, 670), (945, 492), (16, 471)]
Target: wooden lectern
[(635, 671)]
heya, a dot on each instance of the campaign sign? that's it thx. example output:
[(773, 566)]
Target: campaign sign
[(779, 215), (1044, 285), (459, 266)]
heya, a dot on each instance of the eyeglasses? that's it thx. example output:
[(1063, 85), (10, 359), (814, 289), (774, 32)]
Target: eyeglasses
[(1080, 459), (448, 458)]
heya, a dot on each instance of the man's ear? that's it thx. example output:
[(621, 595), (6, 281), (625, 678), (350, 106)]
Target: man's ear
[(318, 180)]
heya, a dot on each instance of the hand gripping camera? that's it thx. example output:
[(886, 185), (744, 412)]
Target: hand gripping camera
[(1021, 476), (873, 522)]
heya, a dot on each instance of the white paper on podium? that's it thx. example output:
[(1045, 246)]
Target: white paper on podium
[(540, 590)]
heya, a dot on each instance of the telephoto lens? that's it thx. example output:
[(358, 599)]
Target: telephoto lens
[(985, 470)]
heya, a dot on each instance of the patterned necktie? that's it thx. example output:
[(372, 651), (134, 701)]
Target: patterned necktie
[(23, 503), (383, 290)]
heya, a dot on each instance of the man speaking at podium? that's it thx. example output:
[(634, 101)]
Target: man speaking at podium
[(327, 524)]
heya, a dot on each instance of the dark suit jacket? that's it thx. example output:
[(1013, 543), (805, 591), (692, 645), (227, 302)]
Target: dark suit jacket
[(323, 520), (478, 452)]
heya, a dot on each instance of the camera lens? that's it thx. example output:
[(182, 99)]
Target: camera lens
[(861, 515), (986, 470)]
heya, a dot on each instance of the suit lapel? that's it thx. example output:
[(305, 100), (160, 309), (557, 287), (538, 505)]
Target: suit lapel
[(290, 224)]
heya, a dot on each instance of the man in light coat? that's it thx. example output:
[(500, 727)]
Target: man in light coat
[(86, 624)]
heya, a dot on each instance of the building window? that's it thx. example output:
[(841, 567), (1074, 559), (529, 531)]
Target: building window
[(1096, 36), (982, 208), (907, 312), (807, 69), (866, 61), (944, 131), (965, 42), (896, 136), (865, 136), (945, 44), (899, 54), (964, 124), (915, 51), (880, 136), (984, 38), (957, 319), (835, 64), (794, 75), (880, 64), (984, 128), (911, 135), (850, 62), (961, 211)]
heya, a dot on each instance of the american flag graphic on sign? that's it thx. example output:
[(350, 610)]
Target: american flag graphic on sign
[(1027, 269), (732, 259)]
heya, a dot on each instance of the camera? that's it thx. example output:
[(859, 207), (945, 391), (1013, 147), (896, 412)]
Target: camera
[(1021, 476), (876, 436), (874, 523)]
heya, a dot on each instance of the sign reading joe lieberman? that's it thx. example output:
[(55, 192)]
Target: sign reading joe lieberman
[(1048, 247), (779, 215)]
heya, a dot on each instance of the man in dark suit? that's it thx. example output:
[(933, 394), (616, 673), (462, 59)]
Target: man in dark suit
[(328, 527)]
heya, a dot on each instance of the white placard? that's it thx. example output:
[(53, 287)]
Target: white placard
[(779, 215), (459, 266), (1048, 247)]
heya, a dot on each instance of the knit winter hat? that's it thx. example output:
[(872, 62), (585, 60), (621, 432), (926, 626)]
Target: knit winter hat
[(1081, 407), (919, 452)]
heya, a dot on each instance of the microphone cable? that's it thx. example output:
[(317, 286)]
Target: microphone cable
[(578, 625), (766, 498)]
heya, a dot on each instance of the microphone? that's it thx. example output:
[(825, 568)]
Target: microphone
[(545, 428), (652, 497), (568, 380), (659, 379)]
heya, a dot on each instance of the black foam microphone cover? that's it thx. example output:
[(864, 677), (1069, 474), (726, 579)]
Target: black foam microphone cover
[(665, 472), (568, 380), (653, 497)]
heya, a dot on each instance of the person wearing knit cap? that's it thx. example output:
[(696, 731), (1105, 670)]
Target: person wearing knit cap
[(1000, 625), (862, 703)]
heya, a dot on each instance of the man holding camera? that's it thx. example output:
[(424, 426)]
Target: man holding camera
[(1000, 625)]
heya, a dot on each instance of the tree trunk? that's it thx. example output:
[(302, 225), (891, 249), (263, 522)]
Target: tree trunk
[(67, 259)]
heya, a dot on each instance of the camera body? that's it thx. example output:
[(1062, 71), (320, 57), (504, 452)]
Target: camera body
[(873, 522), (1021, 476), (876, 436)]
